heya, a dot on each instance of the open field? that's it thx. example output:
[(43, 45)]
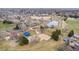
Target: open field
[(73, 25), (40, 46), (5, 26)]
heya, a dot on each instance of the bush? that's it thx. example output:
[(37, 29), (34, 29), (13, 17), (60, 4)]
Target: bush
[(23, 41), (55, 35), (71, 33), (65, 18), (7, 22), (17, 27)]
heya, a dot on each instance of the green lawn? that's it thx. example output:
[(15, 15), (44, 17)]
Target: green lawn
[(5, 26), (74, 25)]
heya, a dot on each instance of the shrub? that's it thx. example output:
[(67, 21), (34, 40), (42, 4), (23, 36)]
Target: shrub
[(23, 41), (65, 18), (17, 27), (7, 22), (41, 27), (71, 33), (55, 35)]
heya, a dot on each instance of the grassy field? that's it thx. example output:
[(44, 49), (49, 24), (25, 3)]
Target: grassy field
[(45, 46), (40, 46), (73, 24), (5, 26)]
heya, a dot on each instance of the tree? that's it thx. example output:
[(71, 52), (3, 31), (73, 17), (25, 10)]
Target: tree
[(65, 18), (71, 33), (55, 35), (17, 27), (7, 22), (42, 29), (23, 41)]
